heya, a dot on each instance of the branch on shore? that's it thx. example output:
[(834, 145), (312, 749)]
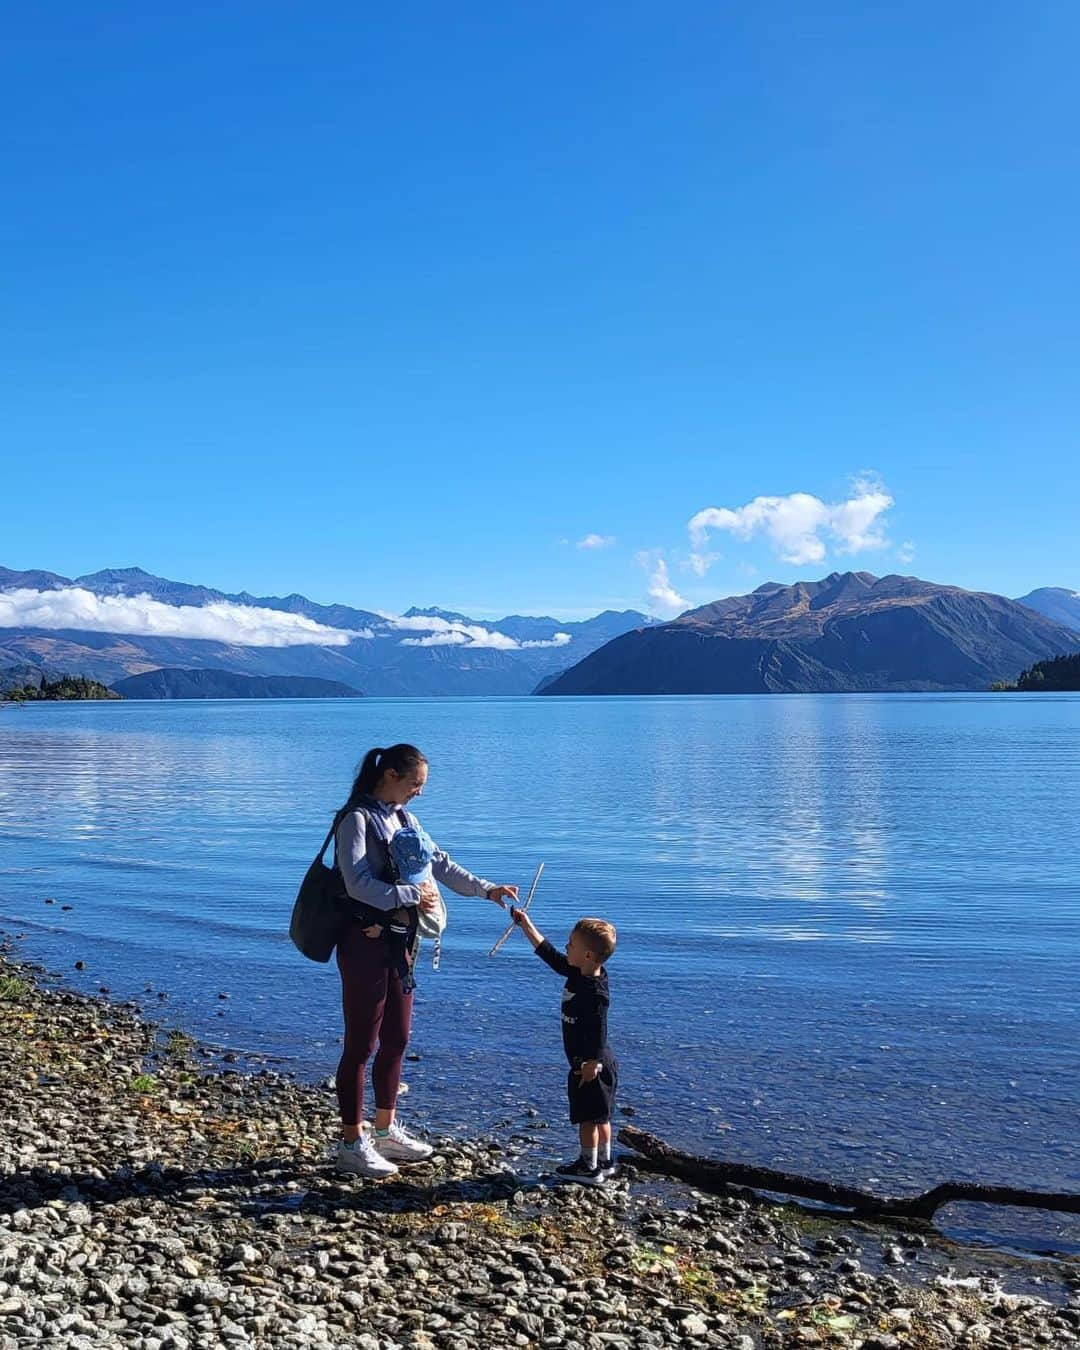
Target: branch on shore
[(710, 1175)]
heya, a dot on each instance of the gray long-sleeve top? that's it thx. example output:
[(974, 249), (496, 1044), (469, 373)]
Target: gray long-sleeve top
[(361, 881)]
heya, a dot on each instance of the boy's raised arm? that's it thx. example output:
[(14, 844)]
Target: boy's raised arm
[(543, 948), (527, 926)]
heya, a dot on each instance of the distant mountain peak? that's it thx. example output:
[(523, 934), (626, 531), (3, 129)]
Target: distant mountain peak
[(848, 631), (1059, 603), (433, 612), (118, 574)]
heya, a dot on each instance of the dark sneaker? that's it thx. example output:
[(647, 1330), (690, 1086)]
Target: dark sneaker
[(580, 1171), (609, 1169)]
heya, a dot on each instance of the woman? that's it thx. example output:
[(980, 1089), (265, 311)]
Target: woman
[(374, 956)]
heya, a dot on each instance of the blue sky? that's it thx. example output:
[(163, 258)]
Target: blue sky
[(396, 304)]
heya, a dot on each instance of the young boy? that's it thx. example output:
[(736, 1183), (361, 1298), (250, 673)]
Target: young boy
[(594, 1070)]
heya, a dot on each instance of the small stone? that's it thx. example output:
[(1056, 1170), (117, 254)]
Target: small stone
[(694, 1326)]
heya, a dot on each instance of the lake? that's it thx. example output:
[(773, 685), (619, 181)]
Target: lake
[(849, 925)]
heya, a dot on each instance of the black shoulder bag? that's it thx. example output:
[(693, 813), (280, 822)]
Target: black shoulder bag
[(322, 907)]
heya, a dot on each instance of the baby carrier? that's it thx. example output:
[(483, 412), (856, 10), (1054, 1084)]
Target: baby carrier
[(401, 927), (323, 906)]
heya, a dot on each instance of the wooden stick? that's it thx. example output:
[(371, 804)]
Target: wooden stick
[(524, 907), (716, 1176)]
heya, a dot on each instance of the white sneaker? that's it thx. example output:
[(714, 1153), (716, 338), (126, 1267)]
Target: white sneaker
[(363, 1159), (400, 1146)]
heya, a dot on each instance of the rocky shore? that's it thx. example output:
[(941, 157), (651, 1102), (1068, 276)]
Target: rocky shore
[(153, 1195)]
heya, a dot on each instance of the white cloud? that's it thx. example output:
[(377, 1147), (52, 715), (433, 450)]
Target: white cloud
[(594, 541), (455, 633), (906, 551), (452, 638), (795, 524), (856, 524), (798, 525), (143, 616), (422, 623), (556, 640), (661, 592), (699, 563)]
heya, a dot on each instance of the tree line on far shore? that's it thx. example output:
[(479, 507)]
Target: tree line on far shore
[(63, 687), (1060, 675)]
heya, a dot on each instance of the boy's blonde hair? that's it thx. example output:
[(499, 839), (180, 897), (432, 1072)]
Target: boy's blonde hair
[(600, 936)]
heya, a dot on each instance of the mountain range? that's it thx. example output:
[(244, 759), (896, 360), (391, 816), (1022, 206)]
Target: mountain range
[(850, 631), (424, 652)]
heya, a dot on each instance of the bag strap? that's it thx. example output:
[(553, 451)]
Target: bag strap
[(331, 834)]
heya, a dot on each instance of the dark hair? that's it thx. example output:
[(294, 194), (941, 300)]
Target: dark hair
[(401, 759)]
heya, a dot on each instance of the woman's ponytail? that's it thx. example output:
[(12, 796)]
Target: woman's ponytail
[(400, 758)]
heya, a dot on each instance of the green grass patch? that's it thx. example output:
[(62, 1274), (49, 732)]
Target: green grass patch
[(179, 1044), (143, 1083), (12, 989), (646, 1259)]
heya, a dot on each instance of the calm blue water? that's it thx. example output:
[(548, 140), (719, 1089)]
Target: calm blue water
[(849, 925)]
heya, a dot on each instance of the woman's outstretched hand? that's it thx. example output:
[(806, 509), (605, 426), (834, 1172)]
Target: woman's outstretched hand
[(498, 895)]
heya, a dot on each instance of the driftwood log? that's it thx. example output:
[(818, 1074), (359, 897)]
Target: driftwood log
[(710, 1175)]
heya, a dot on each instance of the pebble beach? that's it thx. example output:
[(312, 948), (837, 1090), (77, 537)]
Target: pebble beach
[(157, 1193)]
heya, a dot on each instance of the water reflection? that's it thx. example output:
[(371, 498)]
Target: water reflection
[(840, 909)]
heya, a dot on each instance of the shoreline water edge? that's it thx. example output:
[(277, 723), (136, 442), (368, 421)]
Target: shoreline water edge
[(155, 1194)]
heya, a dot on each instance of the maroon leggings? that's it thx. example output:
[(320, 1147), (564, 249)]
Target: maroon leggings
[(376, 1011)]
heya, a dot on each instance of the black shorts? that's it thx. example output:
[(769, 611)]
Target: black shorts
[(595, 1101)]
